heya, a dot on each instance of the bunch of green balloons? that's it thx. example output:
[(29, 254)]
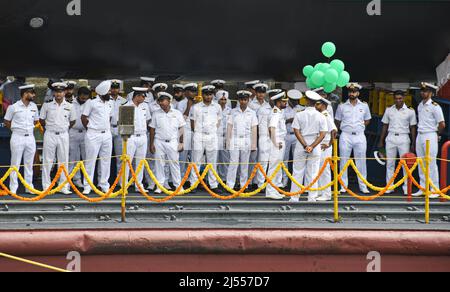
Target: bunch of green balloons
[(327, 75)]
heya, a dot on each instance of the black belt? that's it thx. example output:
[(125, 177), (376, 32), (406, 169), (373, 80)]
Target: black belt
[(26, 135), (80, 131), (139, 135), (114, 126)]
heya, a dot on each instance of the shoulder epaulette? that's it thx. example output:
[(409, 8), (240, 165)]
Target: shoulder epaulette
[(124, 103), (435, 103), (325, 114), (275, 111)]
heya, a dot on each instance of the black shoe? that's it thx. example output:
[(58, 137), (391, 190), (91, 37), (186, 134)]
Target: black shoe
[(187, 185)]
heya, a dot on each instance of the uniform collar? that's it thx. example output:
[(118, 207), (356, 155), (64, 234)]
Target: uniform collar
[(240, 110), (310, 108), (358, 101), (64, 102), (404, 107), (204, 105), (430, 101)]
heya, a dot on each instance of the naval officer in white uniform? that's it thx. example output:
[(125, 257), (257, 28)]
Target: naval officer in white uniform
[(431, 124), (310, 128), (96, 119), (277, 134), (57, 117), (399, 125), (206, 118), (352, 118), (242, 131), (21, 118), (77, 134), (137, 144), (166, 140)]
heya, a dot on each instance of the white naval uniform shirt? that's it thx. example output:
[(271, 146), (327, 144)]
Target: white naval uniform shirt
[(153, 107), (206, 118), (242, 123), (353, 118), (399, 121), (142, 117), (99, 114), (310, 123), (331, 127), (255, 105), (278, 122), (22, 117), (222, 131), (78, 109), (289, 113), (58, 117), (166, 125), (264, 114), (117, 103), (430, 115)]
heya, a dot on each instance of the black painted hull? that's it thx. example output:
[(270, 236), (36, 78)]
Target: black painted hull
[(223, 38)]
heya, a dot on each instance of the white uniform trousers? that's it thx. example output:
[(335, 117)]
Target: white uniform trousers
[(98, 145), (151, 163), (118, 149), (186, 154), (223, 160), (77, 150), (238, 158), (291, 141), (252, 160), (167, 150), (137, 146), (22, 146), (421, 152), (205, 144), (264, 148), (55, 144), (396, 145), (306, 168), (325, 178), (275, 158), (357, 143)]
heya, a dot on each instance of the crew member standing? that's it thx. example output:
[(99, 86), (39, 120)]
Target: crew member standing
[(166, 140), (289, 115), (431, 124), (77, 134), (184, 106), (137, 144), (264, 142), (223, 158), (310, 128), (21, 118), (117, 101), (96, 119), (277, 134), (57, 117), (206, 118), (242, 133), (352, 118), (146, 82), (399, 122), (326, 149)]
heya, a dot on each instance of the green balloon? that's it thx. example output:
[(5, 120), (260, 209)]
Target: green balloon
[(324, 67), (328, 49), (308, 70), (344, 79), (329, 87), (338, 65), (317, 67), (310, 84), (331, 76), (318, 78)]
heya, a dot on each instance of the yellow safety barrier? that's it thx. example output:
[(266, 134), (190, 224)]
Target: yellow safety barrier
[(143, 165)]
